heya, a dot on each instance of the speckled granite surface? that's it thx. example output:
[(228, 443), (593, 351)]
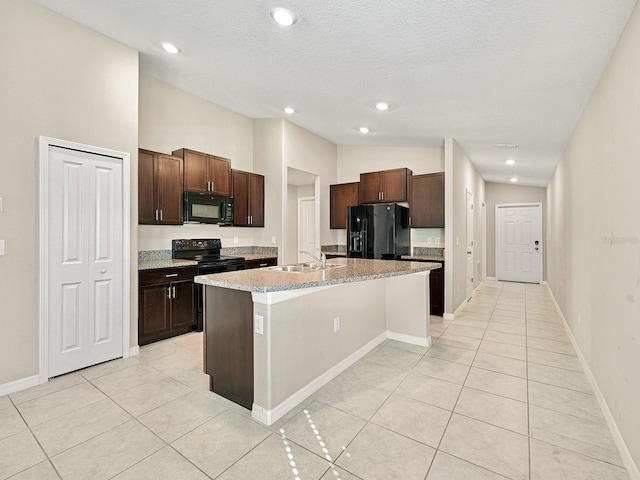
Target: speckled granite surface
[(420, 251), (266, 252), (257, 256), (145, 255), (354, 270), (164, 263), (424, 258)]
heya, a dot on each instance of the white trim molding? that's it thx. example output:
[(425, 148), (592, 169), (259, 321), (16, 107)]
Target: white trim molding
[(44, 144), (627, 459), (269, 417), (20, 384), (412, 339)]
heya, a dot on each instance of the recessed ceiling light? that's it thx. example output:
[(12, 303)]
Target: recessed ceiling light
[(289, 110), (510, 162), (170, 47), (506, 145), (283, 17), (382, 106), (514, 179), (364, 130)]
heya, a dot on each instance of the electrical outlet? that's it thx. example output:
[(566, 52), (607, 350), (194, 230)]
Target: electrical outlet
[(273, 239), (259, 324), (235, 239), (437, 242), (429, 240), (336, 324)]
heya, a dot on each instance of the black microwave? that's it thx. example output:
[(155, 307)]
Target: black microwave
[(208, 208)]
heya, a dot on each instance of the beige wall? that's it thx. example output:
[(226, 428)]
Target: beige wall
[(460, 177), (170, 119), (311, 153), (593, 238), (500, 193), (61, 80)]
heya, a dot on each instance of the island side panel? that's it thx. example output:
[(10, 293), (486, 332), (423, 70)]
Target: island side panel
[(408, 308), (299, 343), (228, 334)]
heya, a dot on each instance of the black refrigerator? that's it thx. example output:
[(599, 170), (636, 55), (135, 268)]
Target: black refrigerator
[(379, 231)]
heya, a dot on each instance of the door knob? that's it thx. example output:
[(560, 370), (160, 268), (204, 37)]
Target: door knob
[(104, 270)]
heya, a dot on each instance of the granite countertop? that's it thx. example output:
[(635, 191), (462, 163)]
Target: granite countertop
[(355, 270), (424, 258), (164, 263), (339, 253), (256, 256)]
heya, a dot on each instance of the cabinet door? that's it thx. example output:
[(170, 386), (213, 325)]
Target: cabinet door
[(370, 187), (240, 182), (220, 175), (427, 201), (436, 291), (196, 175), (170, 175), (182, 305), (340, 197), (394, 185), (256, 200), (261, 262), (153, 313), (147, 200)]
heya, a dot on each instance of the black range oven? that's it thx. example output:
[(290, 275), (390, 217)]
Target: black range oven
[(206, 251)]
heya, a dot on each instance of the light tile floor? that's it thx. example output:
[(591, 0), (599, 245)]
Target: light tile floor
[(500, 394)]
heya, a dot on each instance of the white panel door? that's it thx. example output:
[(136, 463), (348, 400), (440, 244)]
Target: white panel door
[(85, 259), (519, 243), (306, 227), (469, 244)]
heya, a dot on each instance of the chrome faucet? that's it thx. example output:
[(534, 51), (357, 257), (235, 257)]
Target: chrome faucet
[(322, 259)]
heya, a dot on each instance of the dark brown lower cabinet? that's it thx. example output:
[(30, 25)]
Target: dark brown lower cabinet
[(261, 262), (436, 289), (166, 303), (228, 355)]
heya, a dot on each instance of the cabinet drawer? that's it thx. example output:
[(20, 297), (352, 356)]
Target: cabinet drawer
[(165, 275), (261, 262)]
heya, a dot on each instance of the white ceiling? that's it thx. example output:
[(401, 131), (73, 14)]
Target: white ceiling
[(480, 71)]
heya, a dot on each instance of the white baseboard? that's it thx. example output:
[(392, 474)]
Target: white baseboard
[(413, 340), (269, 417), (492, 279), (448, 317), (627, 459), (133, 351), (21, 384)]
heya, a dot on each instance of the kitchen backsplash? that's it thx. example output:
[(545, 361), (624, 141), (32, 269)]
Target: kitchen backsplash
[(428, 250), (146, 255), (249, 250)]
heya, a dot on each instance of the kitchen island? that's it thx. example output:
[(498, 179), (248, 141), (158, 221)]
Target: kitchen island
[(272, 338)]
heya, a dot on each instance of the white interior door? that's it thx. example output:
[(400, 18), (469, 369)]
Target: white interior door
[(519, 243), (469, 243), (85, 259), (306, 227)]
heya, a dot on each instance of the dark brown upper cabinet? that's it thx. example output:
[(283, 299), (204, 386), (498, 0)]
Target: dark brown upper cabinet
[(160, 178), (205, 173), (385, 186), (341, 196), (427, 201), (248, 199)]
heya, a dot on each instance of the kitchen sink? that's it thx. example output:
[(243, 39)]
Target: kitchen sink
[(305, 267)]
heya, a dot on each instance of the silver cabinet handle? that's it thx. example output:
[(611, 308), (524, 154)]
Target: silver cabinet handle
[(169, 293), (156, 214), (169, 275), (263, 264), (160, 215), (212, 186), (174, 291), (382, 195)]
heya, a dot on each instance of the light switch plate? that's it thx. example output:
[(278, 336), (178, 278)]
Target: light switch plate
[(437, 241), (1, 248), (273, 239), (429, 240), (259, 324), (235, 239)]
